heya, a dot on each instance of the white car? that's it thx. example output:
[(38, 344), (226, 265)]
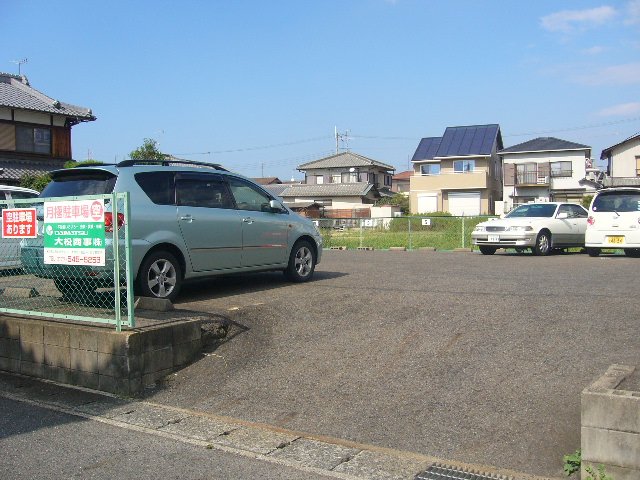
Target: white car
[(541, 227), (10, 248), (614, 221)]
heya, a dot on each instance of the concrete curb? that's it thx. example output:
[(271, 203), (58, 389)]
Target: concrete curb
[(317, 454)]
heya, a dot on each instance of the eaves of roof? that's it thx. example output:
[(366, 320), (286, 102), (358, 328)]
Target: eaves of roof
[(329, 190), (15, 169), (15, 92), (344, 160), (605, 153)]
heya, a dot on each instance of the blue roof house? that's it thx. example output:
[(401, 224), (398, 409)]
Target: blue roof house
[(459, 173)]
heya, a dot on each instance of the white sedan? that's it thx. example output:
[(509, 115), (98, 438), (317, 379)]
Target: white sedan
[(538, 226)]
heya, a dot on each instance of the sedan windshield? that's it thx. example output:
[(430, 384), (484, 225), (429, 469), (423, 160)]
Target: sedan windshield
[(538, 210)]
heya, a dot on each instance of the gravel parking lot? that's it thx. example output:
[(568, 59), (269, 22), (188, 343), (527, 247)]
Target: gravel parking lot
[(472, 358)]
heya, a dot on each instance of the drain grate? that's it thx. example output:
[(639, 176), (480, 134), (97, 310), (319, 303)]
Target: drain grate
[(439, 471)]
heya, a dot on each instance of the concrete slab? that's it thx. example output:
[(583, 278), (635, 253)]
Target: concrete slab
[(199, 427), (316, 454), (382, 466), (257, 440)]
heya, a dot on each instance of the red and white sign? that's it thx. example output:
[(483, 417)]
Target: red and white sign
[(19, 223)]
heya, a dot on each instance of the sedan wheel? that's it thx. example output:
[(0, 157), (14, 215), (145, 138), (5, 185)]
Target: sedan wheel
[(543, 244), (485, 250)]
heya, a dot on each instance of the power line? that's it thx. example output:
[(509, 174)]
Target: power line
[(616, 122)]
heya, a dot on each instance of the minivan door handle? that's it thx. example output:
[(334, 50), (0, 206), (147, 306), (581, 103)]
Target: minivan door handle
[(248, 220), (188, 218)]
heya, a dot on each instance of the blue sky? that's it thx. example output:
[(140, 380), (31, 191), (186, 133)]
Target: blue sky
[(259, 86)]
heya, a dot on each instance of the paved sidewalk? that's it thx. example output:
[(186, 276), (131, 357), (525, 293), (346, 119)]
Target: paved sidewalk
[(315, 455)]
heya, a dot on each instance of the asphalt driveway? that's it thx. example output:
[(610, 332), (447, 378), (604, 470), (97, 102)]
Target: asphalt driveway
[(472, 358)]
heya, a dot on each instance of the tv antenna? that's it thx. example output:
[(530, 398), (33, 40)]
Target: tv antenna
[(20, 62), (344, 138)]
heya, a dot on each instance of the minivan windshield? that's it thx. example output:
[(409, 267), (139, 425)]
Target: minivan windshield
[(75, 183), (620, 201), (538, 210)]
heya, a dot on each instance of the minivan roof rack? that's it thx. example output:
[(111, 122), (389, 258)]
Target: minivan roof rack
[(165, 163)]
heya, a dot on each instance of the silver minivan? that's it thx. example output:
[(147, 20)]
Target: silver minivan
[(614, 221), (188, 220)]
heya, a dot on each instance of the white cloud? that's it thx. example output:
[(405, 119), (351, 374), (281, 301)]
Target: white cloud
[(633, 11), (594, 50), (568, 21), (626, 74), (623, 110)]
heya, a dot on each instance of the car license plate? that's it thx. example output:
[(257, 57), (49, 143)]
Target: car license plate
[(616, 239), (494, 238)]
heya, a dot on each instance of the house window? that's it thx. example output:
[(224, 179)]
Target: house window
[(350, 177), (325, 202), (319, 179), (464, 166), (638, 166), (561, 169), (32, 139), (387, 180), (336, 178), (430, 169)]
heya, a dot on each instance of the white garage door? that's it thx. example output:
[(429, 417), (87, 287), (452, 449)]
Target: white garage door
[(464, 203), (427, 202)]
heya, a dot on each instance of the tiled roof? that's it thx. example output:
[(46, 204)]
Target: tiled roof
[(403, 175), (344, 160), (328, 190), (460, 142), (15, 92), (276, 188), (267, 180), (14, 169), (545, 144)]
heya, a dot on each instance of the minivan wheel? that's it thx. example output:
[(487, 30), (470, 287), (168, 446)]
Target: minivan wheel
[(485, 250), (302, 262), (593, 252), (543, 244), (160, 276)]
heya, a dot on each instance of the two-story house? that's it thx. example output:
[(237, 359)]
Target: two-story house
[(544, 168), (344, 181), (35, 130), (459, 173), (348, 167), (623, 159)]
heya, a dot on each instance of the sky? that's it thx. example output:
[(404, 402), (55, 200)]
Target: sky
[(261, 87)]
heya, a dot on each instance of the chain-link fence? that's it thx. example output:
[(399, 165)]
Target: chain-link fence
[(439, 232), (67, 258)]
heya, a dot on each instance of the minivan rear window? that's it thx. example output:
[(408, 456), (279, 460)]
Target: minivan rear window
[(617, 202), (80, 183)]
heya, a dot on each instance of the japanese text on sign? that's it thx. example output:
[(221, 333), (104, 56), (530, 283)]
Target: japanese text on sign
[(19, 223), (74, 233)]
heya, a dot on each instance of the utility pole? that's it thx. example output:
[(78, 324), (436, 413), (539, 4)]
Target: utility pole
[(262, 166), (344, 137)]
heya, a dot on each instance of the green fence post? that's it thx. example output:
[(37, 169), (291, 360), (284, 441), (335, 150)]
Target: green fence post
[(410, 236), (463, 234)]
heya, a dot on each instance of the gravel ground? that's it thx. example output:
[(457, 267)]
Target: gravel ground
[(473, 358)]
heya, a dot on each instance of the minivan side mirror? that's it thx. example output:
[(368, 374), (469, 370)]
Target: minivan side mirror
[(275, 206)]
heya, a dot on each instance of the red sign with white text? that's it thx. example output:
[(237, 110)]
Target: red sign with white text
[(19, 223)]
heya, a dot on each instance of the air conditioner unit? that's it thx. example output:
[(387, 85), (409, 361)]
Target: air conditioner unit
[(543, 180)]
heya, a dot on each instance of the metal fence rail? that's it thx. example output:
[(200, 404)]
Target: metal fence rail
[(75, 266), (439, 232)]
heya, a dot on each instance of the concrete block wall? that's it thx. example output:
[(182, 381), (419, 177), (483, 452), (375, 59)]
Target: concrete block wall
[(611, 426), (97, 357)]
